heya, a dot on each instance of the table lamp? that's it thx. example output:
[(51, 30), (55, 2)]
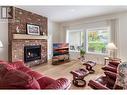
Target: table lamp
[(111, 47), (1, 44)]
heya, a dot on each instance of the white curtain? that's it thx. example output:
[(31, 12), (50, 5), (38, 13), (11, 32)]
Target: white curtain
[(113, 23)]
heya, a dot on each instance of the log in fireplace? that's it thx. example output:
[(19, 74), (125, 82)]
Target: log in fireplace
[(32, 53)]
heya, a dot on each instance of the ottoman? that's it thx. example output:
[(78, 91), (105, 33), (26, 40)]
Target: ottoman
[(89, 66)]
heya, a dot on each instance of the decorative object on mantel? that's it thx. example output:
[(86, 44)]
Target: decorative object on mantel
[(17, 29), (17, 20), (44, 34), (33, 29), (1, 44), (111, 47)]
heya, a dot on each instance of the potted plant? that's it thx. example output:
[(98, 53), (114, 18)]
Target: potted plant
[(82, 52)]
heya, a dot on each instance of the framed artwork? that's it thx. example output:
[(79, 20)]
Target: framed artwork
[(33, 29)]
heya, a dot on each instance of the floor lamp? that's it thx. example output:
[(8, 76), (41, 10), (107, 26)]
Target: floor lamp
[(111, 47)]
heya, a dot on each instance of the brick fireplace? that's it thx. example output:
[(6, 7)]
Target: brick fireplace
[(16, 46)]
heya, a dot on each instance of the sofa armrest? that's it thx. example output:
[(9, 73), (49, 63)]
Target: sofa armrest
[(96, 85), (61, 83), (114, 63)]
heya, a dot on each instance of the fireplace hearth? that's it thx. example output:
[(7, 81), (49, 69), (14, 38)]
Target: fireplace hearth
[(32, 53)]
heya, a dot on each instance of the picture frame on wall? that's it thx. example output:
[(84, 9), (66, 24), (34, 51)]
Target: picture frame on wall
[(33, 29)]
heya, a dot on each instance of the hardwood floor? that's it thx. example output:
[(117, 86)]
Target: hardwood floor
[(63, 70)]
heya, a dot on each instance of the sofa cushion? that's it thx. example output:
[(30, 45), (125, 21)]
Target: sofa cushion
[(4, 68), (114, 63), (24, 69), (110, 74), (102, 80), (35, 74), (109, 68), (14, 79), (45, 81)]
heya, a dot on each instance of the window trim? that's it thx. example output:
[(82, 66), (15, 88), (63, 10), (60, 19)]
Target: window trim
[(99, 28)]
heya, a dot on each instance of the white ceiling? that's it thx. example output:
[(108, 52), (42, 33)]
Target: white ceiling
[(67, 13)]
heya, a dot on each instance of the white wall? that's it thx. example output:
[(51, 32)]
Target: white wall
[(4, 39), (121, 31), (53, 36)]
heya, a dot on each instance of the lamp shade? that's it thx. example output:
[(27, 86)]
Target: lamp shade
[(1, 44), (111, 46)]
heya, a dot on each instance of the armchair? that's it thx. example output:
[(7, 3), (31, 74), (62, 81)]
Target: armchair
[(107, 81)]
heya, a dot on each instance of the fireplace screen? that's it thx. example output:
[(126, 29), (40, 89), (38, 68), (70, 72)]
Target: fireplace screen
[(32, 53)]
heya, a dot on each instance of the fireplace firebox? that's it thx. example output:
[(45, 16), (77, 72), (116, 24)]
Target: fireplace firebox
[(32, 53)]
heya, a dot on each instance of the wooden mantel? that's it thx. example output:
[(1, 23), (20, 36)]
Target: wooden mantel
[(26, 36)]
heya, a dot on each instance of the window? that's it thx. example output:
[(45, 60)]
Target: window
[(75, 38), (93, 40), (96, 40)]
